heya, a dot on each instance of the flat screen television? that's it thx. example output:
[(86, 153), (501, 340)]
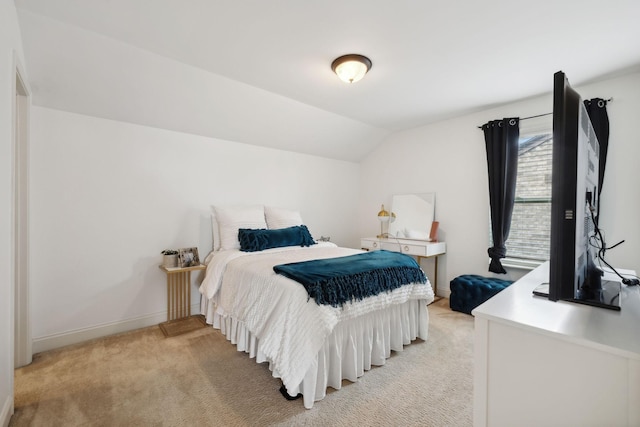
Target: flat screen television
[(574, 274)]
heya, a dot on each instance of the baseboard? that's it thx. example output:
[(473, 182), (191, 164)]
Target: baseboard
[(443, 292), (7, 411), (53, 341)]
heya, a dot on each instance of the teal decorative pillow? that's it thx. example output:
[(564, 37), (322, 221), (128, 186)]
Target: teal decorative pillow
[(253, 240)]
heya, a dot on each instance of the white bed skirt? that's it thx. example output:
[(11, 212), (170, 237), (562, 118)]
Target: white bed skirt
[(352, 348)]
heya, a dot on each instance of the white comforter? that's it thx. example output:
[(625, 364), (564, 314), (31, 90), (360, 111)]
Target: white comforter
[(291, 328)]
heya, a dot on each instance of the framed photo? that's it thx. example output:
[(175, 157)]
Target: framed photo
[(188, 257)]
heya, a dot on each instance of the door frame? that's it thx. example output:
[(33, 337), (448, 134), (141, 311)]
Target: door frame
[(21, 103)]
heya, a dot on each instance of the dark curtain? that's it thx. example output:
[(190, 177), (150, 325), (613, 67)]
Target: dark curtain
[(597, 110), (501, 140)]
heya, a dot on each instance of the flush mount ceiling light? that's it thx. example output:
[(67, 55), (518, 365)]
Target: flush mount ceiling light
[(351, 68)]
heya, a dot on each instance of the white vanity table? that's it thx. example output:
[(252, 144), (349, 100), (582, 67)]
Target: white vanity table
[(544, 363), (411, 218), (417, 248)]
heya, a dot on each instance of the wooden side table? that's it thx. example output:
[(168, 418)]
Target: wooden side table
[(179, 290)]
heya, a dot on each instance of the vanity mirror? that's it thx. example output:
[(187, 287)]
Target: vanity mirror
[(414, 216)]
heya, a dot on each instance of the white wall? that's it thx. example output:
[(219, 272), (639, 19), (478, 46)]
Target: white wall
[(10, 45), (449, 158), (108, 196)]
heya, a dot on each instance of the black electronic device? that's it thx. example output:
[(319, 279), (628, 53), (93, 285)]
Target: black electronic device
[(631, 282), (573, 272)]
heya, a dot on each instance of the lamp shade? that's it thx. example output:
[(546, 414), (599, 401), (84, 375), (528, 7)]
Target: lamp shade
[(383, 215), (351, 68)]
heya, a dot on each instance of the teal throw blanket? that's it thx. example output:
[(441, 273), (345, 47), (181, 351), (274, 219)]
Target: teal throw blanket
[(334, 281)]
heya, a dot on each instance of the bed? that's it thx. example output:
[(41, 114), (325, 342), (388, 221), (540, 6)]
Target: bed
[(271, 317)]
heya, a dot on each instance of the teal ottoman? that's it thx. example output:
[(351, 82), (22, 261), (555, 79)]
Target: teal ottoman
[(469, 291)]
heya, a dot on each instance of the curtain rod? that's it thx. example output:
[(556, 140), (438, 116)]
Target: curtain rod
[(548, 114)]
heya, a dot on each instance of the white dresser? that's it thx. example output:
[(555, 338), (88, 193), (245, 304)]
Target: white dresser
[(417, 248), (544, 363)]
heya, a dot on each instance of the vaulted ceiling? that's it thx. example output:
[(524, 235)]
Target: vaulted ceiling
[(258, 72)]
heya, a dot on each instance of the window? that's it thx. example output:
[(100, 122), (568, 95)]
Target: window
[(528, 242), (531, 221)]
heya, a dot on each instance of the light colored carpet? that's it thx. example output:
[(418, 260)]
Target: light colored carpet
[(198, 378)]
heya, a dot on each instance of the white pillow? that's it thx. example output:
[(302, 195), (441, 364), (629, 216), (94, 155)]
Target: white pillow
[(215, 231), (232, 218), (281, 218)]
